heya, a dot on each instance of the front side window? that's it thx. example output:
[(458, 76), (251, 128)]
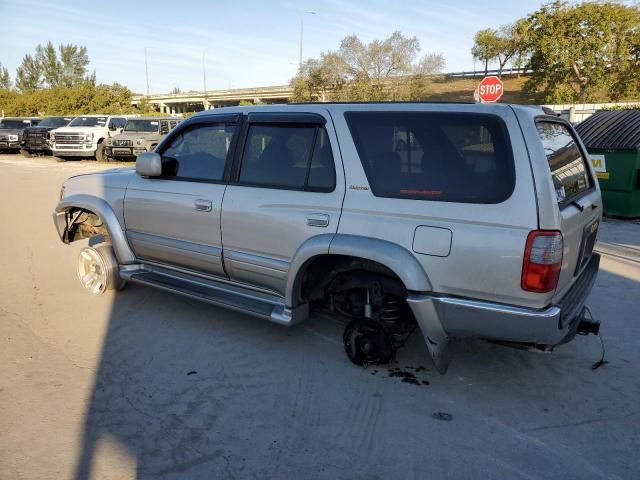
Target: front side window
[(294, 157), (568, 169), (449, 157), (199, 152)]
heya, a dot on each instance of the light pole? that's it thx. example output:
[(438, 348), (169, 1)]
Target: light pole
[(146, 69), (302, 34)]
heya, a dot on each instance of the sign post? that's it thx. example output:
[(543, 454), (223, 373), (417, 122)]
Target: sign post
[(490, 89)]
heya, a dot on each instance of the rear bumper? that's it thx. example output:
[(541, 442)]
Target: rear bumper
[(552, 325)]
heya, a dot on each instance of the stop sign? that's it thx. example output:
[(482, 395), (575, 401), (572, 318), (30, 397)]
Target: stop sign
[(490, 89)]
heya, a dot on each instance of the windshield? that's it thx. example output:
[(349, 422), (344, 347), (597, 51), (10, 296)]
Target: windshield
[(55, 122), (88, 122), (142, 126), (11, 123)]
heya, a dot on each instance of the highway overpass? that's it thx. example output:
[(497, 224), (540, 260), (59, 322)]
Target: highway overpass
[(197, 101)]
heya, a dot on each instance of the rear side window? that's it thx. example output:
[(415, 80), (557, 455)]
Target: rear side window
[(288, 156), (449, 157), (568, 170)]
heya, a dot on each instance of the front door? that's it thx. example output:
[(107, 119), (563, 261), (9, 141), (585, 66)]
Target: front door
[(285, 190), (175, 219)]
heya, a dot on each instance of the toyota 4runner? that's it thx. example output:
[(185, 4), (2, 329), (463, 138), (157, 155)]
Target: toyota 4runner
[(464, 220), (86, 136), (139, 135)]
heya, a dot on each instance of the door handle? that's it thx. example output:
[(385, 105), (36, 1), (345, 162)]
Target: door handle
[(318, 220), (203, 205)]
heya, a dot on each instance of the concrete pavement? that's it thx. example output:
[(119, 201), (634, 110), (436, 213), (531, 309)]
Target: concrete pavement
[(143, 384)]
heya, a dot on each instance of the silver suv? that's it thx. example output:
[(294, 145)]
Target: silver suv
[(462, 220)]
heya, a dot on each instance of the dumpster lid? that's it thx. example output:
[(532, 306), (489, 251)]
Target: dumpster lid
[(614, 129)]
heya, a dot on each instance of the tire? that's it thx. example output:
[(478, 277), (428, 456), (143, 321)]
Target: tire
[(26, 153), (101, 156), (98, 269)]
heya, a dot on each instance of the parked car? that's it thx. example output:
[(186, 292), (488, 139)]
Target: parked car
[(35, 140), (139, 135), (482, 226), (11, 129), (86, 136)]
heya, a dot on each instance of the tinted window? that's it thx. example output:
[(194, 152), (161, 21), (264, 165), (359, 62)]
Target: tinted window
[(452, 157), (149, 126), (164, 128), (294, 157), (568, 169), (200, 152)]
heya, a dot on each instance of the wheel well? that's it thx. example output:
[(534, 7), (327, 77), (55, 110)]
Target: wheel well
[(82, 223), (319, 272)]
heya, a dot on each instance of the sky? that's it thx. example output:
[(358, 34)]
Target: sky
[(245, 43)]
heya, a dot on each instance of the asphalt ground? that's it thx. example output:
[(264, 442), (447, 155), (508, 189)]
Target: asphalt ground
[(144, 384)]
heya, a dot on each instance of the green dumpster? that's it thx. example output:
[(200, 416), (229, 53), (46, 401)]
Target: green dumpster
[(612, 139)]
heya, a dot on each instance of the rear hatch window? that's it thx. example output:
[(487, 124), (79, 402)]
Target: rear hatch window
[(568, 168), (448, 157)]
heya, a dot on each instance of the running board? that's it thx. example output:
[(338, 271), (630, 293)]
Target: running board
[(222, 294)]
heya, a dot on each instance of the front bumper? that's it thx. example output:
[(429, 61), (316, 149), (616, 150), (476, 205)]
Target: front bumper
[(552, 325), (9, 145), (124, 152)]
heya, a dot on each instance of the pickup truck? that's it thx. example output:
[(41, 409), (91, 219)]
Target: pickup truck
[(11, 129), (480, 223), (85, 137)]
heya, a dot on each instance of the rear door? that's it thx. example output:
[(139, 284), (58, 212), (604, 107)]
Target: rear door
[(175, 219), (576, 196), (285, 190)]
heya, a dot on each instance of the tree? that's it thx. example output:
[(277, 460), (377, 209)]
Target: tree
[(486, 45), (511, 44), (29, 74), (74, 60), (51, 66), (5, 79), (580, 52), (380, 70)]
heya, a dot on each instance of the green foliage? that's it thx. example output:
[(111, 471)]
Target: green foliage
[(580, 52), (5, 79), (380, 70), (82, 98)]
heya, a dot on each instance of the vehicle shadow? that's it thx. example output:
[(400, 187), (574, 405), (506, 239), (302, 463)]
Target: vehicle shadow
[(188, 390)]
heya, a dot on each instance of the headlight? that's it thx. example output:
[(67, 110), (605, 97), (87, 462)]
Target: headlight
[(139, 141), (88, 137), (13, 138)]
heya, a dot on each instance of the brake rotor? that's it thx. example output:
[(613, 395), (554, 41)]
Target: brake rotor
[(367, 342)]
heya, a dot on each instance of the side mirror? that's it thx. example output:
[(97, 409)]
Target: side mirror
[(112, 127), (149, 164)]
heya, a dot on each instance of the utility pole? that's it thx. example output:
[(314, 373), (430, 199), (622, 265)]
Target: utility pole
[(204, 74), (146, 69), (302, 34)]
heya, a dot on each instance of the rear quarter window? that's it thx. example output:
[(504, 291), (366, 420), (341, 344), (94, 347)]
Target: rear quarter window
[(448, 157), (568, 169)]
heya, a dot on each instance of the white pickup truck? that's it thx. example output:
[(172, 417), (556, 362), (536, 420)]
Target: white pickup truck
[(86, 136)]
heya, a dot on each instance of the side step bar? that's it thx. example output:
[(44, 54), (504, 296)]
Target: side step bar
[(232, 297)]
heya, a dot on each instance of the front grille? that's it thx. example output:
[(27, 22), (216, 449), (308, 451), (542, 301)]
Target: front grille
[(573, 301), (122, 143), (35, 139), (69, 139)]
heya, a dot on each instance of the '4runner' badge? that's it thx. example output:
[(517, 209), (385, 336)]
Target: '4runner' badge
[(358, 187)]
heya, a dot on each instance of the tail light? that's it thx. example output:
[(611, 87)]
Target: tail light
[(542, 261)]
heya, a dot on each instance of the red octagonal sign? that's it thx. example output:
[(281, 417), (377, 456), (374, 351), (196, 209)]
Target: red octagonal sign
[(490, 89)]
